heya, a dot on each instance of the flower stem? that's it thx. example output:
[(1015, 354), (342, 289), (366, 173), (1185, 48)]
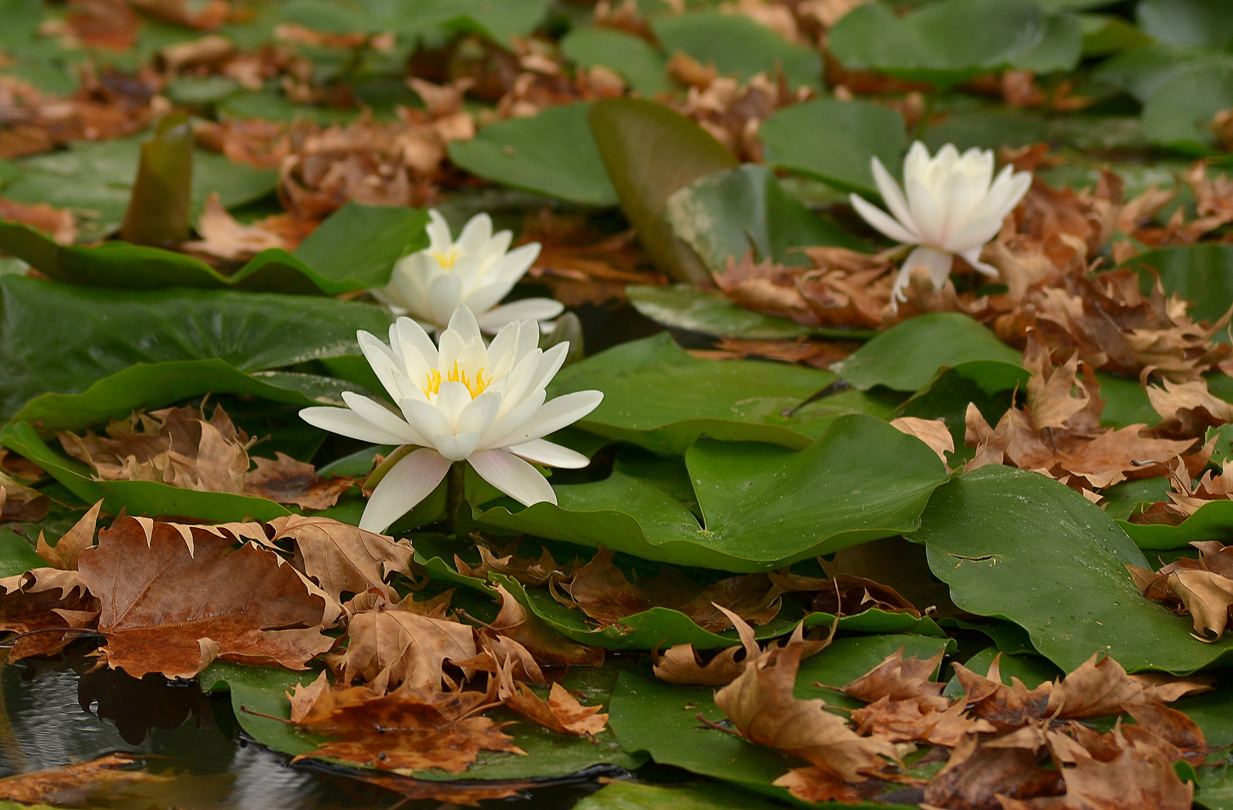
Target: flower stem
[(388, 464), (455, 494)]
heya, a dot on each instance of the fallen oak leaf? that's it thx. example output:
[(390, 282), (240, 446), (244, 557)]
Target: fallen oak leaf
[(899, 679), (1004, 706), (168, 609)]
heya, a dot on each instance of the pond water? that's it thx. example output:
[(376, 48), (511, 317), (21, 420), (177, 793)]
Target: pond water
[(56, 713)]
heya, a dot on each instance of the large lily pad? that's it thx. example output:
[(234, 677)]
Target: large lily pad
[(712, 37), (709, 312), (922, 45), (645, 69), (731, 213), (113, 330), (737, 400), (354, 249), (761, 506), (650, 152), (551, 153), (1022, 547), (1212, 521), (1178, 114), (835, 141), (908, 355), (257, 691)]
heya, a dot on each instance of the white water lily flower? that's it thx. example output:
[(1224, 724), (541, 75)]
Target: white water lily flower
[(475, 271), (461, 400), (953, 206)]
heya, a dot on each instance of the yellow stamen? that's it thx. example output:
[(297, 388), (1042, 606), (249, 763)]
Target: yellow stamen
[(457, 375), (448, 258)]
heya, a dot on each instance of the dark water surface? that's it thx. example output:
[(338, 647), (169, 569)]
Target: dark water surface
[(56, 713)]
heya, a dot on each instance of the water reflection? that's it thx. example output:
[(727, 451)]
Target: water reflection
[(65, 711)]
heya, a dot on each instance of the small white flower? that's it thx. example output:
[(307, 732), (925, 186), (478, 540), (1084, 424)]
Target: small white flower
[(463, 400), (476, 271), (954, 206)]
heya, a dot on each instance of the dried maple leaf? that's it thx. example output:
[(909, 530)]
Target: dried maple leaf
[(411, 729), (1203, 587), (984, 772), (286, 480), (41, 601), (527, 570), (1004, 706), (763, 708), (106, 24), (900, 679), (843, 594), (817, 785), (394, 645), (560, 712), (932, 432), (65, 553), (169, 608), (56, 222), (1187, 409), (76, 784), (451, 794), (681, 665), (340, 557), (21, 503), (1070, 446), (225, 238), (1129, 780), (1100, 686), (1187, 496)]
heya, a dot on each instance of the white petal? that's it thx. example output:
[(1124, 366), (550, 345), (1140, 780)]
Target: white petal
[(974, 234), (425, 419), (439, 237), (457, 447), (388, 369), (382, 418), (513, 476), (462, 321), (513, 418), (478, 414), (347, 422), (915, 164), (892, 195), (925, 208), (544, 452), (451, 400), (554, 415), (901, 281), (413, 346), (444, 297), (528, 309), (410, 481), (883, 222), (972, 257), (939, 263), (475, 235)]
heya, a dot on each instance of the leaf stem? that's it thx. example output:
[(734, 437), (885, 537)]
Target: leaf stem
[(455, 494)]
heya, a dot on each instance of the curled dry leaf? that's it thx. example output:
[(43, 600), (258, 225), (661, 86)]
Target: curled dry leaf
[(393, 645), (582, 264), (763, 708), (527, 570), (179, 446), (1100, 686), (1187, 409), (681, 665), (225, 238), (1202, 587), (932, 432), (65, 553), (410, 729), (21, 503), (41, 601), (340, 557), (985, 769), (548, 648), (171, 609), (987, 698), (560, 712), (1187, 496)]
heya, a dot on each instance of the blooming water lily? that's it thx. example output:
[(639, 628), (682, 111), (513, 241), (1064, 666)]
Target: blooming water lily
[(460, 400), (477, 271), (953, 206)]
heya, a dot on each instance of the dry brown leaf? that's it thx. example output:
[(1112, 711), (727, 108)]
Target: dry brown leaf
[(68, 548), (527, 570), (763, 708), (411, 729), (340, 557), (1100, 686), (560, 712), (547, 647), (166, 608), (900, 679), (225, 238), (21, 503), (981, 773), (932, 432), (681, 665), (391, 646), (1007, 707), (817, 785), (56, 222), (41, 601)]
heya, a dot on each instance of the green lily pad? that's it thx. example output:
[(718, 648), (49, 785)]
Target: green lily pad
[(257, 691), (1187, 23), (660, 628), (731, 213), (762, 507), (835, 141), (552, 153), (1202, 274), (138, 497), (97, 176), (1143, 71), (498, 20), (654, 716), (354, 249), (909, 354), (1022, 547), (733, 400), (115, 329), (644, 68), (153, 385), (923, 46), (638, 796), (1178, 114), (1211, 521), (16, 552), (651, 151), (738, 46)]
